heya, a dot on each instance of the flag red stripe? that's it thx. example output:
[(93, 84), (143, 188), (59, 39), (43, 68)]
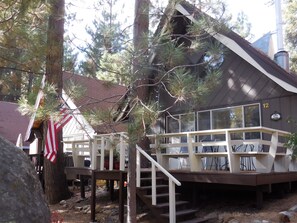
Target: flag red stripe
[(51, 143)]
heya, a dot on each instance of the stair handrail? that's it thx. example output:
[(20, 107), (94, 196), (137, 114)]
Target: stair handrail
[(172, 181), (162, 169)]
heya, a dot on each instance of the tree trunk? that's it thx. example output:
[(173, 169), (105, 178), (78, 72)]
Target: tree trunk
[(140, 53), (56, 188)]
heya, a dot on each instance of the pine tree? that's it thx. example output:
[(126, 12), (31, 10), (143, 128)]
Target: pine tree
[(291, 32), (21, 24), (107, 39), (56, 188)]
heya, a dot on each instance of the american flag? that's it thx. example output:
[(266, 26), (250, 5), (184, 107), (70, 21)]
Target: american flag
[(51, 141)]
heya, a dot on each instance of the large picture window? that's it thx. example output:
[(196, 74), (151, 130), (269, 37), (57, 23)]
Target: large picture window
[(232, 117), (223, 118)]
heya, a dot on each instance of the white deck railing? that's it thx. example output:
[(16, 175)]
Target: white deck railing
[(108, 144), (228, 149), (171, 182), (99, 149)]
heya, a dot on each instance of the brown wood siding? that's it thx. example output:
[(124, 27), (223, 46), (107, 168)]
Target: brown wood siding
[(287, 107), (242, 84), (225, 94)]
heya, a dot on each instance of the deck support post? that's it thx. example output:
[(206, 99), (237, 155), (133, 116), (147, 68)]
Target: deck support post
[(93, 197), (259, 197), (82, 186), (121, 197), (111, 176)]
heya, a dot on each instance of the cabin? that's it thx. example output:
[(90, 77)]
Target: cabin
[(95, 95), (9, 117), (235, 138)]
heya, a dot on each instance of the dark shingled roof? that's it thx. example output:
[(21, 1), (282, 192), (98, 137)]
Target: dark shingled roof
[(12, 123)]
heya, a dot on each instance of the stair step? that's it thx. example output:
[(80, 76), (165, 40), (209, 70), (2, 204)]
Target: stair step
[(195, 220), (150, 187), (150, 179), (160, 195), (181, 213), (163, 205)]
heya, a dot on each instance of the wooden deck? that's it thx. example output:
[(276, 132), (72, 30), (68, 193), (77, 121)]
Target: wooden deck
[(242, 179), (258, 182), (110, 175)]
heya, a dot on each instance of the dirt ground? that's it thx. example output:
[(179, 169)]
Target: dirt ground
[(224, 208)]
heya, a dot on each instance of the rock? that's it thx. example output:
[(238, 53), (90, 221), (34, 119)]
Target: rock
[(213, 217), (284, 216), (21, 195), (62, 202), (86, 209), (233, 221), (293, 209), (98, 208), (78, 208)]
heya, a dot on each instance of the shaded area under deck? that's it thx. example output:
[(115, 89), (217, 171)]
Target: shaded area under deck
[(246, 181)]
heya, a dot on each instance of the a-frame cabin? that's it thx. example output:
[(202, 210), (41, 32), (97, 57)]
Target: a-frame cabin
[(234, 138)]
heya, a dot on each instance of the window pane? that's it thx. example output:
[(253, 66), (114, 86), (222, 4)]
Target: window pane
[(251, 116), (227, 118), (173, 124), (251, 119), (187, 122), (204, 120)]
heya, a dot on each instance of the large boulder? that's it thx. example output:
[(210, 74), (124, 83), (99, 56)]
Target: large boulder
[(21, 196)]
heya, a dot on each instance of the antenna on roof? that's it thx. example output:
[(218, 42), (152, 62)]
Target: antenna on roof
[(282, 56)]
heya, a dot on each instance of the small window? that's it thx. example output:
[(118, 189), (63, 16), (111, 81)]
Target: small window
[(213, 62)]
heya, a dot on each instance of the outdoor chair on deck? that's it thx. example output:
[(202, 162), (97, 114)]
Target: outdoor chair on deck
[(247, 163), (213, 163)]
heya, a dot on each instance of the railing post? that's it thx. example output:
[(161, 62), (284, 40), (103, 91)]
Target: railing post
[(137, 168), (122, 152), (158, 151), (74, 155), (154, 184), (102, 153), (110, 148), (234, 162), (92, 147), (194, 162), (269, 160), (172, 212)]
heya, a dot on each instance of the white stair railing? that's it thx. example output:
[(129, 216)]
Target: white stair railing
[(171, 180)]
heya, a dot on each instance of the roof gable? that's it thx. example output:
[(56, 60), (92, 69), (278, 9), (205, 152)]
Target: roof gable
[(246, 51), (98, 95), (265, 44)]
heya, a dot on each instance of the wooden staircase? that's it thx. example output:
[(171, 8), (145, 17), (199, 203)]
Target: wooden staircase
[(184, 212)]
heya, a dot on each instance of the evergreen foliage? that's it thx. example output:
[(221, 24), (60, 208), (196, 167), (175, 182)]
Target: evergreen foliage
[(107, 39), (22, 22), (290, 16)]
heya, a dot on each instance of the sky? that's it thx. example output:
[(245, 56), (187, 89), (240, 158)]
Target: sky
[(260, 13)]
